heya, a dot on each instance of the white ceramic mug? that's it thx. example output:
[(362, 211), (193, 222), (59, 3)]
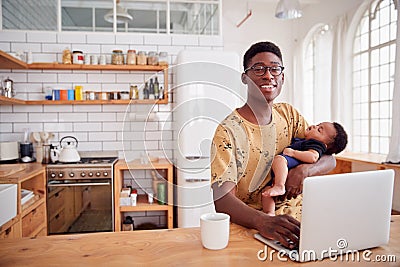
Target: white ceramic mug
[(214, 228)]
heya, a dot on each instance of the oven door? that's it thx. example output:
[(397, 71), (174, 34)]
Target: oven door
[(79, 206)]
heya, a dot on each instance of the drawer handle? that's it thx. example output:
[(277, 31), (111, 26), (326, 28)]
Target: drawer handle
[(57, 194), (57, 216), (8, 231), (33, 211)]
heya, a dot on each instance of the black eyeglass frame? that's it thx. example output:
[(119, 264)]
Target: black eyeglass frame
[(265, 68)]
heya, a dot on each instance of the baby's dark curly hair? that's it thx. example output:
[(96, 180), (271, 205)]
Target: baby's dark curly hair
[(259, 48), (340, 141)]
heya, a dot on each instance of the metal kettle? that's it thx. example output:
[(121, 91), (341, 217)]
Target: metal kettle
[(8, 87), (68, 152)]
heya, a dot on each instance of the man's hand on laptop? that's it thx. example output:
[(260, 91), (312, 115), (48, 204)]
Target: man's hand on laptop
[(282, 228)]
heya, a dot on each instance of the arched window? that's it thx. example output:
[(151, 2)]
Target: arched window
[(374, 56)]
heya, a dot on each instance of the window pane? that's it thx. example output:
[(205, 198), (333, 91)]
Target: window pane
[(194, 18), (375, 92), (374, 75), (384, 34), (375, 127), (374, 144), (384, 73), (364, 144), (375, 110), (384, 110), (384, 127), (384, 55), (384, 92), (28, 15)]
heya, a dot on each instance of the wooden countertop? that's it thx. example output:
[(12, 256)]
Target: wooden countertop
[(14, 173), (177, 247)]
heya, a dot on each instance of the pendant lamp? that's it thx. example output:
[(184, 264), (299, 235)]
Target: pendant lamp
[(288, 9), (122, 15)]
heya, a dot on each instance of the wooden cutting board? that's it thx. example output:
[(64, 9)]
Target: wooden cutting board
[(8, 169)]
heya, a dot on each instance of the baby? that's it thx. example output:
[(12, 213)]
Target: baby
[(325, 138)]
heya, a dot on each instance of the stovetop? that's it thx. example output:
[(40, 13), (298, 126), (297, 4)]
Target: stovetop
[(89, 161)]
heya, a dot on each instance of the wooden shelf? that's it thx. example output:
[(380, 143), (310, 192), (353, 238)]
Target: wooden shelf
[(142, 204), (9, 62), (58, 66), (15, 101)]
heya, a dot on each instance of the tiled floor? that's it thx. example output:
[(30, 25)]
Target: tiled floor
[(92, 221)]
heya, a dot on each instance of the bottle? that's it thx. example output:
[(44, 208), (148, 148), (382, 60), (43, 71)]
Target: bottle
[(156, 88), (161, 93), (151, 90), (146, 91)]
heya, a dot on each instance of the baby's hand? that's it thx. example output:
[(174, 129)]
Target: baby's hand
[(288, 151)]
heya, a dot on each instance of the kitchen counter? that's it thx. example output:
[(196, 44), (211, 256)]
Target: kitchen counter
[(176, 247)]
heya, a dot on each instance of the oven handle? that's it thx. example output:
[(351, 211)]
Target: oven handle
[(77, 184)]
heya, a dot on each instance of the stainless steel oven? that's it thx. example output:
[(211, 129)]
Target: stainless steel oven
[(80, 195)]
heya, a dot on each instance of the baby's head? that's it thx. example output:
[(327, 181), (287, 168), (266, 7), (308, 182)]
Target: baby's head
[(339, 141), (332, 134)]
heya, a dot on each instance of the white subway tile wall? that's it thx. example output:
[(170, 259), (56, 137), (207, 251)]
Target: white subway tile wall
[(97, 127)]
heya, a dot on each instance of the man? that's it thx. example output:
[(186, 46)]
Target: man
[(246, 142)]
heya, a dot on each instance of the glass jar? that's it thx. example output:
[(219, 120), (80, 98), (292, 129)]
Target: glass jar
[(152, 58), (141, 58), (163, 59), (131, 57), (117, 57), (67, 56)]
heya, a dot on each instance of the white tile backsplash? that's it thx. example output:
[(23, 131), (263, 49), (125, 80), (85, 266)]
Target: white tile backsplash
[(41, 37), (130, 39), (97, 127), (99, 38), (12, 36), (14, 117), (87, 127)]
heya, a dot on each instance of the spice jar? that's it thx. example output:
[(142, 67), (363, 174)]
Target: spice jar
[(117, 57), (152, 58), (141, 58), (131, 57), (163, 59), (77, 57), (67, 56)]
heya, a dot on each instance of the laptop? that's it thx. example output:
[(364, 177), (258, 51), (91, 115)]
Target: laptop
[(341, 214)]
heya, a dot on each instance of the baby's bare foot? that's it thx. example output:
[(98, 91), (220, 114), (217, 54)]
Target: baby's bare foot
[(276, 190)]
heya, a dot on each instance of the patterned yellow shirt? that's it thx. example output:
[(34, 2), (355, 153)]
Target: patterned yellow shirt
[(242, 152)]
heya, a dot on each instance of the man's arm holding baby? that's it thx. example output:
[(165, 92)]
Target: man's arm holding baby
[(296, 176)]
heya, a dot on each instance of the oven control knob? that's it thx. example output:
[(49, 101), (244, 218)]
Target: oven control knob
[(60, 175), (90, 174), (53, 175), (98, 174), (83, 174), (105, 174), (71, 174)]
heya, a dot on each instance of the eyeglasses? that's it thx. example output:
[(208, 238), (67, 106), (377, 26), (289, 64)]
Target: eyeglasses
[(260, 70)]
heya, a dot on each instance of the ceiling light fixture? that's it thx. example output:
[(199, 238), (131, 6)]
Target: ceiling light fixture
[(122, 15), (288, 9)]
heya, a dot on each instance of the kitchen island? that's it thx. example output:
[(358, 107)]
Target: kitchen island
[(169, 247)]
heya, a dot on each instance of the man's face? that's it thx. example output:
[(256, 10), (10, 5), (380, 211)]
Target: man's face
[(266, 86)]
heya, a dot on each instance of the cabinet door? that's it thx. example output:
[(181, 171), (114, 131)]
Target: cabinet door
[(33, 220), (14, 231), (56, 202)]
